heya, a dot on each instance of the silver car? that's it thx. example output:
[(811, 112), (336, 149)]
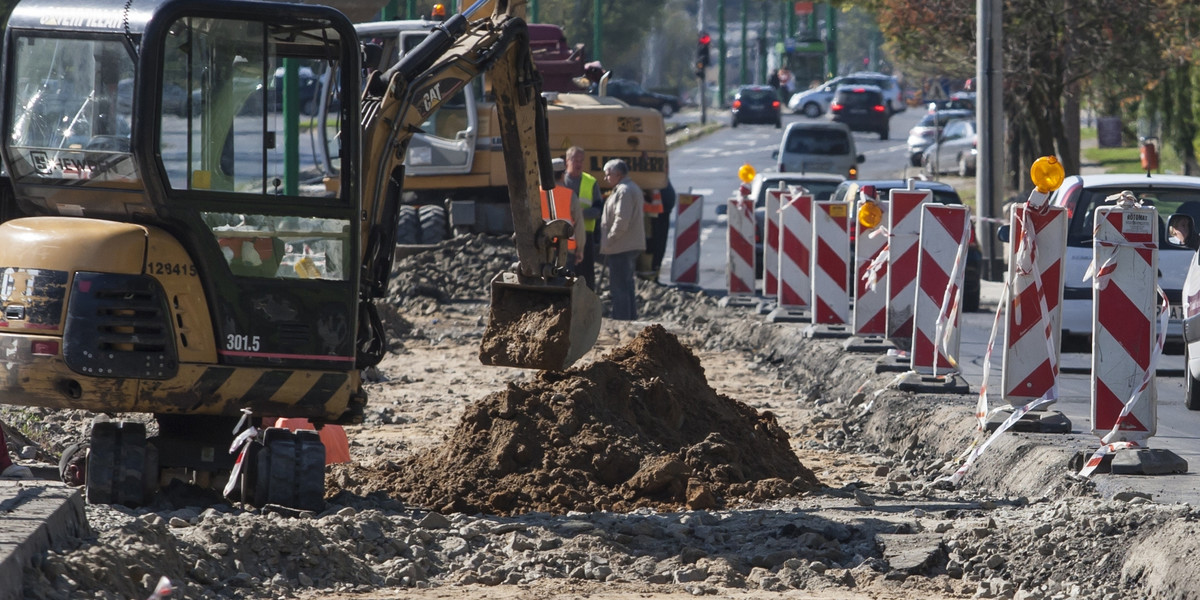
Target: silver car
[(814, 102), (926, 131), (954, 151)]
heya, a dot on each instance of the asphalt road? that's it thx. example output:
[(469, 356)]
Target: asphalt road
[(709, 165)]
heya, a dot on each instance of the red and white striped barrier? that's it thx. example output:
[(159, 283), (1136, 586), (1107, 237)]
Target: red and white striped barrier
[(904, 227), (870, 272), (830, 258), (1125, 275), (685, 263), (945, 233), (795, 256), (1032, 338), (771, 244), (739, 267)]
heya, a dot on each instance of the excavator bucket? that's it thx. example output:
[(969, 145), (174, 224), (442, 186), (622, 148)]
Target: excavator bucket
[(539, 324)]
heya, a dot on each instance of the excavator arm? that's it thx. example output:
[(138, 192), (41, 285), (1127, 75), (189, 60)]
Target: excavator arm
[(541, 316)]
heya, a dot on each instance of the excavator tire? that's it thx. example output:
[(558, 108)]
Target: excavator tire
[(291, 470), (117, 464), (433, 223), (408, 230)]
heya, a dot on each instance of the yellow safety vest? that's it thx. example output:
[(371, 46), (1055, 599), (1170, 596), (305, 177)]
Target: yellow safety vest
[(587, 183), (562, 209)]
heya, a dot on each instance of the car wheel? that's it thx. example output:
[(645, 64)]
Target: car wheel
[(930, 170), (914, 160), (811, 110), (667, 110), (1190, 385), (778, 123), (733, 122), (883, 134)]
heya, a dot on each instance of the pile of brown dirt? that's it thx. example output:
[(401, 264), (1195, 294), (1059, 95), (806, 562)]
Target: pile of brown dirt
[(639, 428)]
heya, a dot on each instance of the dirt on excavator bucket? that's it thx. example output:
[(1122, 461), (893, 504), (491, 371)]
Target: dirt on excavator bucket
[(539, 325)]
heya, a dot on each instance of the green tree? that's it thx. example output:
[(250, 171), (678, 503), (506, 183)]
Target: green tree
[(1052, 49)]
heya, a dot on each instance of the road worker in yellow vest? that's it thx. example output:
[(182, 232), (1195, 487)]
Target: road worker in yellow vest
[(588, 190), (562, 203)]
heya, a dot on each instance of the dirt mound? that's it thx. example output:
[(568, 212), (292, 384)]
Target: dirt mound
[(640, 427)]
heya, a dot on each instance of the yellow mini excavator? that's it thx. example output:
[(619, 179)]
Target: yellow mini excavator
[(175, 254)]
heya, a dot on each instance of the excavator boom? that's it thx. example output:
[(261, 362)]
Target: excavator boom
[(541, 316)]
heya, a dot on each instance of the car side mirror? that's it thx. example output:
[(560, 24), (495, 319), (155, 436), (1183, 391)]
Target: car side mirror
[(1003, 233), (775, 153), (860, 159)]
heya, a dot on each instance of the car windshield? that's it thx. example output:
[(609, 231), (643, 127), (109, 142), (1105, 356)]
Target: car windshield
[(941, 196), (758, 95), (832, 142), (859, 99), (1082, 207), (941, 118), (821, 190)]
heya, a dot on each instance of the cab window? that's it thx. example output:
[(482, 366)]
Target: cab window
[(71, 110), (227, 127)]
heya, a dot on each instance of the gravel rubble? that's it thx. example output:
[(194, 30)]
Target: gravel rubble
[(1036, 532)]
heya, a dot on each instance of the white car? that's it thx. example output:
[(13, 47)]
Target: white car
[(814, 102), (1081, 195)]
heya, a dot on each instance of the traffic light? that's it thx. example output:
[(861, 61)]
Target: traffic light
[(702, 54)]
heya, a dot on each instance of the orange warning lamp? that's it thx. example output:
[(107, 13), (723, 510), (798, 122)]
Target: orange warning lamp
[(869, 214), (439, 11), (746, 173), (1047, 174)]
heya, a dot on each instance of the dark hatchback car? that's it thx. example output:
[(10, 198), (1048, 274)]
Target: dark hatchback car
[(942, 193), (861, 108), (631, 92), (756, 104)]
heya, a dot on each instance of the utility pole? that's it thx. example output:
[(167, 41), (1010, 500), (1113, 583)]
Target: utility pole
[(763, 48), (831, 57), (721, 50), (534, 12), (597, 30), (989, 178), (745, 47)]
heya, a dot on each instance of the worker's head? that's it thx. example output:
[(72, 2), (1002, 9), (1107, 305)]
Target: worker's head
[(574, 161), (615, 170), (1180, 228), (560, 166)]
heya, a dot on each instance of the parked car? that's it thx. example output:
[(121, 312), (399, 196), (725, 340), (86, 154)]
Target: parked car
[(818, 147), (942, 193), (957, 100), (1081, 194), (956, 149), (861, 108), (814, 102), (631, 92), (926, 131), (756, 104), (820, 185)]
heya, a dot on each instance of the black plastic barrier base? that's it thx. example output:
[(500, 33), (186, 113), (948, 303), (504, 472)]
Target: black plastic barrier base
[(1033, 422), (868, 345), (929, 384), (1140, 461), (789, 315), (825, 332)]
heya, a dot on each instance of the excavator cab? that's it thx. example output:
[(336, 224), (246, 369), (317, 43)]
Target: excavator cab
[(183, 255), (179, 254)]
